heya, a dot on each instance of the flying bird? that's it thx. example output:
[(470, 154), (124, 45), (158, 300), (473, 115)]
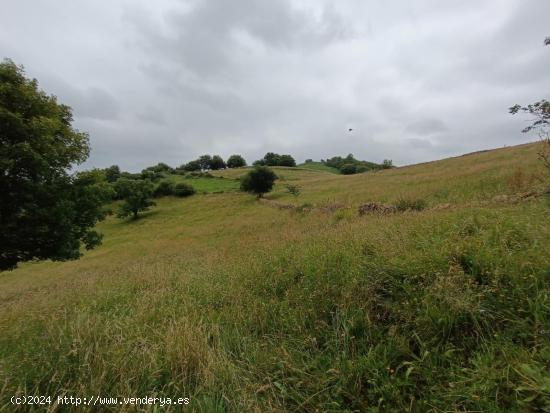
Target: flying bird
[(350, 129)]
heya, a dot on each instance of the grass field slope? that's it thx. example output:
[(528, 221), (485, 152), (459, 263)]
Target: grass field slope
[(300, 303)]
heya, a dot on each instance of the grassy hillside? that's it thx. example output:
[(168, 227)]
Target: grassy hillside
[(244, 306), (319, 166)]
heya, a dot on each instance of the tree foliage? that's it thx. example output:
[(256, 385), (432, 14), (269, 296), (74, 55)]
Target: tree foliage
[(217, 163), (258, 181), (45, 212), (137, 196), (112, 173), (274, 159), (236, 161), (182, 189)]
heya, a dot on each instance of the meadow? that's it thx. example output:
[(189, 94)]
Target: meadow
[(243, 306)]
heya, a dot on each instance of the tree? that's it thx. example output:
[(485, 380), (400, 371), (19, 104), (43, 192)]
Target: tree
[(192, 166), (236, 161), (45, 212), (112, 173), (137, 196), (286, 160), (205, 162), (258, 181), (387, 164), (217, 163)]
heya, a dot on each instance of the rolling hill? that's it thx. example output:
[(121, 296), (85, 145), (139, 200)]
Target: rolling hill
[(299, 303)]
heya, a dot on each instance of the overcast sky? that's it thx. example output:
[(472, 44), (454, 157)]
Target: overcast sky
[(168, 80)]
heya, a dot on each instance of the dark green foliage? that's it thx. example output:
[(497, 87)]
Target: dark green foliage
[(205, 162), (339, 162), (161, 167), (348, 169), (408, 204), (258, 181), (387, 164), (44, 212), (182, 189), (164, 188), (274, 159), (137, 196), (236, 161), (308, 161), (217, 163), (112, 173), (192, 166)]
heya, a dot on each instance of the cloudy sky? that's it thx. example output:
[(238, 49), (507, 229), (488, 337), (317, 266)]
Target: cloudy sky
[(171, 79)]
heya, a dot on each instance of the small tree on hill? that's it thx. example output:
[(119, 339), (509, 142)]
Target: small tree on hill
[(217, 163), (258, 181), (137, 196), (205, 162), (236, 161), (192, 166)]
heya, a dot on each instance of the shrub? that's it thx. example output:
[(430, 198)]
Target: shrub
[(164, 188), (258, 181), (407, 204), (348, 169), (293, 189), (182, 189)]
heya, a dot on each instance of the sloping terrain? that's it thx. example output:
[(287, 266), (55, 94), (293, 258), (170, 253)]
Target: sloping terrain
[(243, 306)]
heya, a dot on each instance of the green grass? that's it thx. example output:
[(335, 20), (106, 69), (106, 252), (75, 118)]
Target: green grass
[(208, 185), (245, 307), (319, 166)]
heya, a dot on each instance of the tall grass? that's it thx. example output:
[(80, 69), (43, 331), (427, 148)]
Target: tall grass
[(243, 307)]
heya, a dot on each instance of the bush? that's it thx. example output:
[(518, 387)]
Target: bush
[(348, 169), (182, 189), (407, 204), (258, 181), (164, 188), (293, 189)]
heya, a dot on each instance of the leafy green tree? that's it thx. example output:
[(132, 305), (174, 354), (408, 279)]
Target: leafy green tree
[(161, 167), (286, 160), (112, 173), (182, 189), (272, 159), (258, 181), (45, 213), (192, 166), (137, 196), (205, 162), (217, 163), (236, 161)]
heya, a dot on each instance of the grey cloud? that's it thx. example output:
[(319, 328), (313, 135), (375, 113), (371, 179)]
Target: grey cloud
[(171, 80), (427, 127)]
